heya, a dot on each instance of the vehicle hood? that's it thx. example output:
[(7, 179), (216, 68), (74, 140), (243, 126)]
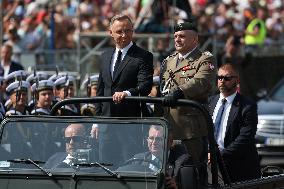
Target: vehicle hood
[(269, 106)]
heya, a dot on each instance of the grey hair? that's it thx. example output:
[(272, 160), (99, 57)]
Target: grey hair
[(120, 17)]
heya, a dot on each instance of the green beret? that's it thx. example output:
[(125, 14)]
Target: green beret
[(186, 26)]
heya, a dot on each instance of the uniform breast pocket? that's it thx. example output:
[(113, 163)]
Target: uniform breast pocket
[(185, 77)]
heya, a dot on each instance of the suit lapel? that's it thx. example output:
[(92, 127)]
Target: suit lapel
[(233, 112), (125, 61), (108, 58), (213, 104)]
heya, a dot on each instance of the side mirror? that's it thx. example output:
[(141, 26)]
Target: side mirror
[(262, 93)]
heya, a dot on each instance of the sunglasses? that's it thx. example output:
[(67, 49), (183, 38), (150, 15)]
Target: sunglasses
[(74, 138), (157, 139), (226, 78)]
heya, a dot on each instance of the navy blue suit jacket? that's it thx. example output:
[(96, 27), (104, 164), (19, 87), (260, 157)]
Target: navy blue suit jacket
[(240, 155)]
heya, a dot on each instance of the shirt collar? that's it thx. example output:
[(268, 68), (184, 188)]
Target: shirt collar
[(229, 98), (125, 49), (187, 54)]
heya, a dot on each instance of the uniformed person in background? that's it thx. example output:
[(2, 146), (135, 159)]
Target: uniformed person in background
[(65, 88), (18, 95), (2, 91), (90, 84), (188, 74), (19, 75), (33, 78), (43, 96)]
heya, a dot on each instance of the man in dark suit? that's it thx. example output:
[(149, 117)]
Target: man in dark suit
[(126, 70), (74, 140), (152, 159), (128, 73), (7, 65), (235, 121)]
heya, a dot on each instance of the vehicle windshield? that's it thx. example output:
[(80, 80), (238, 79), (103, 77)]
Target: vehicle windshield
[(278, 94), (91, 146)]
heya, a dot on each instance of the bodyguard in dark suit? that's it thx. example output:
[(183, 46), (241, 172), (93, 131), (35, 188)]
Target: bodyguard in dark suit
[(235, 121), (126, 70), (7, 65)]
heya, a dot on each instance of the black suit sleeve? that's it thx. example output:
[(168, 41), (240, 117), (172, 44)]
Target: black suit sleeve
[(245, 141), (145, 75)]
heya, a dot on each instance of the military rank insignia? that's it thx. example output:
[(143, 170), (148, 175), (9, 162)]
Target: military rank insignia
[(211, 66)]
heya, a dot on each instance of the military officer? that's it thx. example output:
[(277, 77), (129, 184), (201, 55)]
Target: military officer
[(90, 84), (190, 74)]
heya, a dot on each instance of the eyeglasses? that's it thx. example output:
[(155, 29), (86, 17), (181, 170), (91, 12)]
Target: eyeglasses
[(157, 139), (226, 78), (74, 138)]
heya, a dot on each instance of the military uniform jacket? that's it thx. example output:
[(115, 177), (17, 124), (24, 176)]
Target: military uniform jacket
[(195, 76)]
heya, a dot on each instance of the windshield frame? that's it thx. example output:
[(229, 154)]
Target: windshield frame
[(53, 119)]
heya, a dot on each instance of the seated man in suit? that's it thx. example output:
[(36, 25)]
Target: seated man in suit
[(74, 138), (153, 157)]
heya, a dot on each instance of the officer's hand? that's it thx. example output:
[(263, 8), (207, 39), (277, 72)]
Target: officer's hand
[(171, 99)]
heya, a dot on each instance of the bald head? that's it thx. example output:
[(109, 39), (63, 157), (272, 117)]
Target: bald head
[(74, 136), (75, 130)]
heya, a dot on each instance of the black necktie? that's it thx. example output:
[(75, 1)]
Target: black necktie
[(219, 118), (117, 63)]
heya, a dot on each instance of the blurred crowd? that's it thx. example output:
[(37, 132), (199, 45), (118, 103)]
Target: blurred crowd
[(37, 25)]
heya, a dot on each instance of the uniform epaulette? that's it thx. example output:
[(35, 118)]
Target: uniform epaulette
[(172, 55), (207, 53)]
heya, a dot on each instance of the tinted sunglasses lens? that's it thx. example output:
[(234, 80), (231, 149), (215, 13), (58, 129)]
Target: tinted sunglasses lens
[(226, 78)]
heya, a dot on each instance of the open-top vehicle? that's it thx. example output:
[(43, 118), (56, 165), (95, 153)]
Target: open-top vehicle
[(29, 144)]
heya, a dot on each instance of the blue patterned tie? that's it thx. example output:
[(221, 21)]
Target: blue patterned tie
[(219, 118)]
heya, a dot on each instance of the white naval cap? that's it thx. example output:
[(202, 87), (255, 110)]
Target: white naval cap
[(156, 80), (40, 75), (54, 77), (16, 76), (93, 80), (63, 81), (18, 86), (43, 85)]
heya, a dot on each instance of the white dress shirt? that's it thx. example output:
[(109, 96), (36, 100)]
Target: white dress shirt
[(224, 119), (114, 56)]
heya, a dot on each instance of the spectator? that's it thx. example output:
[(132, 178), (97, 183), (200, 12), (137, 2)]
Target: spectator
[(255, 32), (235, 124), (7, 65)]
